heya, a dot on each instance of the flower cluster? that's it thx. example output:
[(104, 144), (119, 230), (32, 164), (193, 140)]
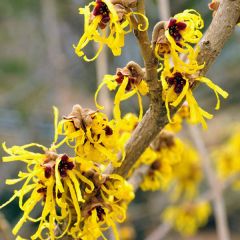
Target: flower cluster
[(161, 157), (91, 135), (107, 206), (178, 77), (71, 189), (188, 217), (172, 163), (101, 15)]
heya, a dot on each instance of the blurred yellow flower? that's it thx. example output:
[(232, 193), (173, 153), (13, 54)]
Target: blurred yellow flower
[(161, 159), (227, 158), (187, 174), (188, 217)]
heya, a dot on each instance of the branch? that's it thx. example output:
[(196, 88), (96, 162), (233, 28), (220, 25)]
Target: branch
[(219, 32), (164, 9), (160, 232), (217, 196), (145, 132), (155, 118), (5, 229)]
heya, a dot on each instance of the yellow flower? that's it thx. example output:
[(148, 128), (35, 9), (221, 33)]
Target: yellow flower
[(167, 152), (158, 176), (184, 28), (113, 196), (129, 83), (73, 192), (182, 31), (176, 124), (91, 135), (177, 37), (188, 217), (177, 86), (227, 158), (97, 16), (51, 179), (187, 174)]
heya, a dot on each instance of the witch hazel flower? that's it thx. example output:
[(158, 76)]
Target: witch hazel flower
[(91, 135), (107, 23), (128, 81), (50, 180), (176, 37), (177, 86)]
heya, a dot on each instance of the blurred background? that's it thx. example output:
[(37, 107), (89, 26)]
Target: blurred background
[(38, 69)]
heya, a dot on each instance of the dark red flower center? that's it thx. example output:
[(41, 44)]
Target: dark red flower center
[(42, 190), (175, 27), (47, 172), (131, 80), (101, 8), (178, 81), (65, 165), (108, 131), (155, 165), (100, 213)]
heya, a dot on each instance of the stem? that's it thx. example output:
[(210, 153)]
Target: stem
[(145, 132), (160, 232), (164, 9), (218, 201), (5, 229)]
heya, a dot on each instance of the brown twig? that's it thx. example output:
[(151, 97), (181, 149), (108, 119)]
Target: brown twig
[(145, 133), (5, 229), (160, 232), (164, 9)]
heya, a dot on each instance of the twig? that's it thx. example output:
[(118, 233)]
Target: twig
[(160, 232), (137, 176), (218, 201), (155, 118), (219, 32), (145, 132), (5, 229), (164, 9)]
